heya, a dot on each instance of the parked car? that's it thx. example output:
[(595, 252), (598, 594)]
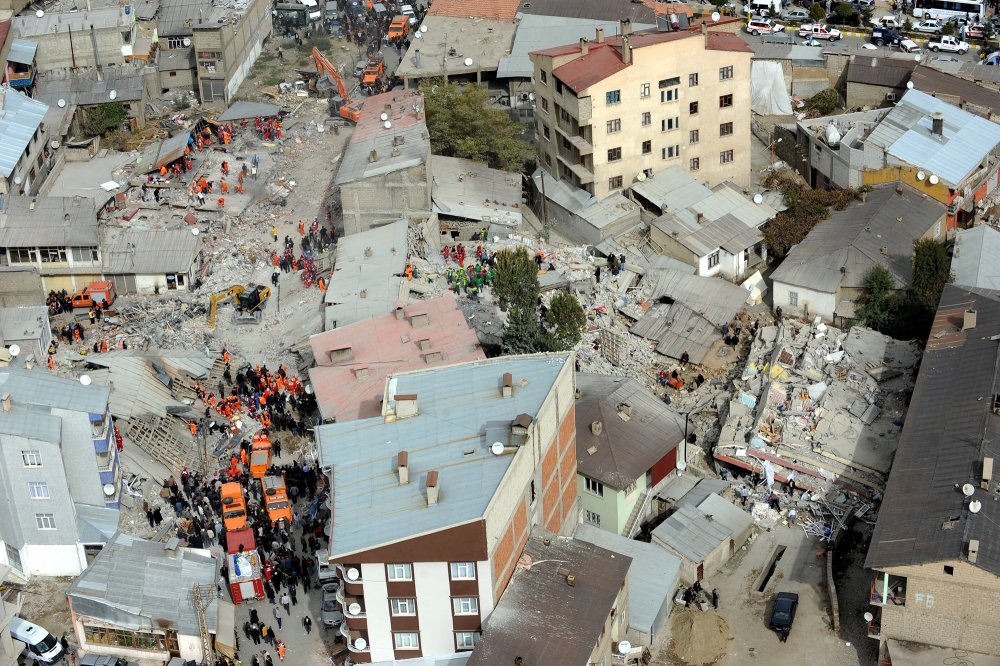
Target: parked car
[(887, 22), (407, 10), (758, 25), (949, 44), (883, 36), (332, 616), (977, 31), (910, 46), (795, 15), (868, 5), (819, 31), (932, 26), (783, 613)]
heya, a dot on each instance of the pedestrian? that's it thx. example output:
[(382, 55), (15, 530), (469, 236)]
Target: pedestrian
[(255, 633), (597, 274), (266, 633), (777, 313), (274, 232), (277, 616), (274, 277), (308, 624), (715, 598), (286, 601), (281, 650), (784, 634)]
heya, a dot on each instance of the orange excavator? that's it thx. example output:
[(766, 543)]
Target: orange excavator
[(345, 107)]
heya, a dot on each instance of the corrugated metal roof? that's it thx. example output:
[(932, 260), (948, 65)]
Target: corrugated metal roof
[(241, 110), (975, 258), (144, 252), (19, 119), (139, 380), (887, 72), (396, 148), (40, 389), (145, 10), (690, 532), (937, 83), (905, 133), (471, 190), (602, 10), (625, 450), (177, 16), (31, 24), (460, 410), (22, 52), (96, 524), (161, 153), (49, 221), (714, 299), (31, 425), (85, 87)]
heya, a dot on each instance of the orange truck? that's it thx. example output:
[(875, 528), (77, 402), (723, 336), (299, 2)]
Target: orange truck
[(398, 28), (102, 293), (234, 507), (260, 456), (279, 507)]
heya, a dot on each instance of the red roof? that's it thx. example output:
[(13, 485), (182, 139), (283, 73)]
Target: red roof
[(237, 538), (4, 29), (585, 71), (497, 10), (351, 387), (727, 41)]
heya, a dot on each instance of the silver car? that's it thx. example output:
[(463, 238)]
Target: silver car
[(332, 616)]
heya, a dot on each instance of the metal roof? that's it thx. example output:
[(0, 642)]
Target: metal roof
[(96, 524), (163, 152), (241, 110), (20, 286), (905, 133), (602, 10), (975, 258), (30, 24), (138, 584), (980, 99), (48, 221), (460, 410), (143, 252), (692, 534), (44, 390), (22, 52), (177, 16), (839, 252), (652, 578), (140, 380), (497, 10), (404, 144), (449, 41), (887, 72), (472, 190), (951, 427), (31, 425), (542, 618), (145, 10), (715, 299), (85, 87), (367, 275), (20, 117), (626, 449), (23, 323)]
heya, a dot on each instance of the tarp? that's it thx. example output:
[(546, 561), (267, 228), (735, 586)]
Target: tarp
[(243, 110), (225, 636), (768, 94)]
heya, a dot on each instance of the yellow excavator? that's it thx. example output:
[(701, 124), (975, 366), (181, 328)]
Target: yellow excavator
[(250, 301)]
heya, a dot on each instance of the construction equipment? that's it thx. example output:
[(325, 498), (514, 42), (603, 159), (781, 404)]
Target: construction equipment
[(342, 104), (374, 70), (249, 303)]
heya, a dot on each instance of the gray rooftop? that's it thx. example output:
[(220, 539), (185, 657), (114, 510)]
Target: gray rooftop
[(31, 425), (162, 152), (460, 409), (143, 252), (905, 133), (472, 190), (976, 257), (692, 534), (242, 110), (600, 214), (20, 117), (93, 179), (96, 524), (356, 163), (145, 10), (840, 251), (22, 52), (29, 25), (41, 391), (140, 381), (138, 584), (23, 323), (48, 221), (367, 275), (20, 285), (604, 10), (177, 16), (484, 41), (84, 88)]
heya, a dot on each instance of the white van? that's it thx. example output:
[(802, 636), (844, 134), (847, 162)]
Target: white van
[(41, 646), (762, 7)]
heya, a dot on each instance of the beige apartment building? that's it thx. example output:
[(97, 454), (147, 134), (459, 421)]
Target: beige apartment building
[(616, 110), (227, 43)]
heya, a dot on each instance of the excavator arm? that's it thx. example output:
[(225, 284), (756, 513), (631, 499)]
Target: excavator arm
[(232, 292), (324, 66)]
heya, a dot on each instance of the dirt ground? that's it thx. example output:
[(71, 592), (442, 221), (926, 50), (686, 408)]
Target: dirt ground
[(44, 603)]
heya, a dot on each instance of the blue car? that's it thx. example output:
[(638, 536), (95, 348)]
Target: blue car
[(783, 613)]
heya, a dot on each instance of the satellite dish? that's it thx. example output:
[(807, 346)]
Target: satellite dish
[(54, 144), (869, 617), (113, 94), (195, 231), (496, 448), (716, 16), (85, 380), (238, 424), (360, 643), (14, 350), (61, 103), (423, 28), (918, 57), (624, 647), (39, 13), (758, 199), (921, 175), (353, 574), (109, 489), (354, 609), (384, 116), (975, 506), (531, 97), (909, 85), (387, 124), (418, 35), (18, 180), (641, 176), (186, 42), (468, 62), (933, 180), (968, 490)]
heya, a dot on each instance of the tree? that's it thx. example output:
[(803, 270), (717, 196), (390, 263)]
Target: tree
[(522, 335), (844, 10), (805, 208), (97, 120), (824, 102), (877, 304), (817, 12), (515, 281), (931, 270), (462, 123), (565, 320)]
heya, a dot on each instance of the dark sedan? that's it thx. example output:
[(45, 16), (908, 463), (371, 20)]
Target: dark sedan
[(783, 613)]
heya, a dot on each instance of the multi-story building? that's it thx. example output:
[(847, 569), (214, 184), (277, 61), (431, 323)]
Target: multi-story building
[(59, 471), (935, 546), (227, 41), (618, 109), (69, 40), (434, 500), (27, 155)]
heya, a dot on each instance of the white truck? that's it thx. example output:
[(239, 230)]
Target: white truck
[(887, 22), (950, 44), (819, 31)]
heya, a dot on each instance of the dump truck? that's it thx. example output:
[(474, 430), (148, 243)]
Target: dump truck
[(374, 70), (279, 507)]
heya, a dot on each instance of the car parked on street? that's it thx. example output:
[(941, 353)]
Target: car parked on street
[(885, 36), (758, 25), (933, 27), (332, 616), (783, 612), (949, 44), (795, 15)]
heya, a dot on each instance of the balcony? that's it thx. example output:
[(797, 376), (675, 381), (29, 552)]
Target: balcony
[(20, 76), (578, 170), (893, 593), (352, 636), (582, 146)]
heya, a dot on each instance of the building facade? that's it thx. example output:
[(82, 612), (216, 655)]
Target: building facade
[(69, 40), (25, 137), (619, 109), (226, 46)]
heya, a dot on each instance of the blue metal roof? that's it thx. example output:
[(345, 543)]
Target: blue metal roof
[(19, 118), (22, 52)]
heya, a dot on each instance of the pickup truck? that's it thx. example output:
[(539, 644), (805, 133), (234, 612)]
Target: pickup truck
[(933, 27), (950, 44), (819, 31)]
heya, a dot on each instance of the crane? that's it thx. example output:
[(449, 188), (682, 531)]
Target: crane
[(348, 108)]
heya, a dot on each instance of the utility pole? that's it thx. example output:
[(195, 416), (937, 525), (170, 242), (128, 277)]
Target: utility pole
[(545, 201)]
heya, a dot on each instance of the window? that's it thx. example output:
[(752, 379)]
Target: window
[(38, 489), (403, 606), (671, 152), (544, 75), (131, 638), (713, 259), (669, 95), (725, 101), (725, 129), (793, 298), (725, 157), (463, 570), (31, 458), (693, 109), (668, 124), (647, 147), (548, 159), (466, 640), (22, 255), (52, 255), (594, 486), (465, 605), (406, 640), (545, 104), (559, 87), (14, 557), (592, 518), (644, 90), (647, 118), (84, 254), (693, 136), (937, 230), (614, 182), (45, 521), (614, 154), (399, 571), (546, 132), (672, 81), (694, 164), (614, 125), (613, 97), (207, 65), (564, 116), (725, 73), (175, 42), (210, 55), (692, 80)]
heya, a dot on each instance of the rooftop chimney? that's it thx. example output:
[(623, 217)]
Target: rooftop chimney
[(987, 473), (6, 402), (361, 372), (973, 550), (508, 385), (626, 51), (571, 580), (969, 320), (584, 46), (419, 320), (399, 313), (937, 123), (373, 156), (626, 27), (599, 37), (432, 487), (597, 427), (403, 464), (406, 405)]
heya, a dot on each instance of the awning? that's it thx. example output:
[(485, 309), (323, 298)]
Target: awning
[(225, 633), (22, 52)]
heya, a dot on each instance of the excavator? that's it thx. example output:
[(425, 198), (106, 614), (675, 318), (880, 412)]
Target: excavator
[(249, 300), (343, 105)]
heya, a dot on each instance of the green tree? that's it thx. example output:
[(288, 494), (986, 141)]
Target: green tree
[(522, 335), (824, 102), (877, 304), (565, 320), (462, 123), (907, 26), (931, 270), (805, 209), (844, 10), (515, 281), (948, 29), (97, 120), (817, 12)]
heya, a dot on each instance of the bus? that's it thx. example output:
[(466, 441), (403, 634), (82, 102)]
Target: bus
[(949, 9)]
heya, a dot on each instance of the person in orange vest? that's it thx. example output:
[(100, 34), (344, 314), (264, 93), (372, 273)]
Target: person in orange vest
[(302, 228), (52, 363), (221, 202), (203, 184), (281, 650), (239, 187), (225, 168), (243, 456), (194, 428), (225, 355), (225, 186), (409, 271), (104, 346), (211, 400)]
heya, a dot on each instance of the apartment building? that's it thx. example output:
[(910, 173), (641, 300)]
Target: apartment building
[(619, 109), (227, 42), (935, 546), (59, 472), (434, 500), (74, 39), (27, 154)]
